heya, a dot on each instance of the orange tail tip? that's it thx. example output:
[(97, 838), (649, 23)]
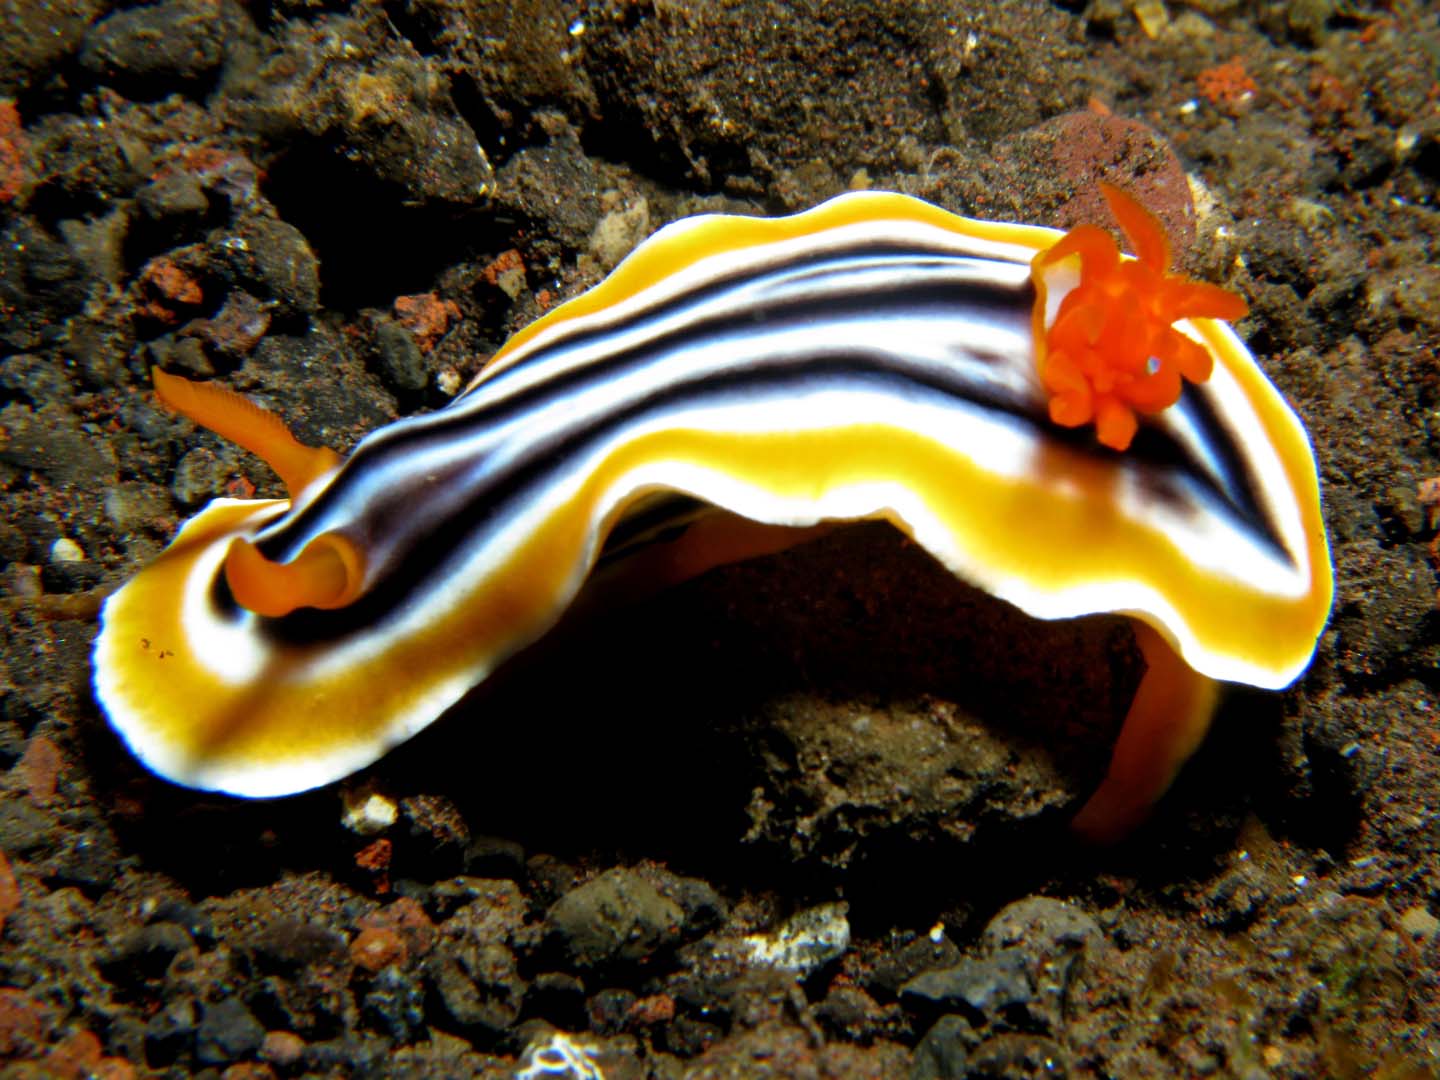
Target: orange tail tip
[(248, 426), (1112, 349), (327, 574)]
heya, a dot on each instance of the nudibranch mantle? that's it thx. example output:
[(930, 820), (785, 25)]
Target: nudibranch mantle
[(735, 383)]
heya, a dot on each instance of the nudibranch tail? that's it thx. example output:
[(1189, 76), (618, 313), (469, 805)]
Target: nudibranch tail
[(1112, 349), (330, 571), (737, 384)]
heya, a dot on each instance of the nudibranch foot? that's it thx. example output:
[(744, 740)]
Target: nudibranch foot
[(1166, 722)]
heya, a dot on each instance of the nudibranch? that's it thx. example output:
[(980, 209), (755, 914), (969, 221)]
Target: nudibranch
[(734, 385)]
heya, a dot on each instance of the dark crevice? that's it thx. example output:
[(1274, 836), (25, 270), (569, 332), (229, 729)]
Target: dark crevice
[(371, 246), (497, 137)]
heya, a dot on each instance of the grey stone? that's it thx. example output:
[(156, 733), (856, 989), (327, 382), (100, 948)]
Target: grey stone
[(617, 916), (984, 986), (176, 39), (228, 1031), (478, 986), (943, 1051), (276, 257), (1017, 1057), (146, 953), (402, 368), (170, 1032), (174, 195)]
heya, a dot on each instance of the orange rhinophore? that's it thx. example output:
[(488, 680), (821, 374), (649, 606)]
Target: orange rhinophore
[(1113, 349), (328, 573)]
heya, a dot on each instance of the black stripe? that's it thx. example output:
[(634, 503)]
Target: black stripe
[(801, 294), (573, 336), (398, 445), (428, 564)]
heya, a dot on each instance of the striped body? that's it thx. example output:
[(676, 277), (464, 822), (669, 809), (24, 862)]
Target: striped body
[(873, 358)]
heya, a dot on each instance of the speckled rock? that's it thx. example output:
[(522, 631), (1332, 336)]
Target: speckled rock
[(41, 283), (228, 1031), (352, 82), (39, 36), (478, 987), (35, 379), (557, 174), (84, 162), (618, 916), (292, 944), (1019, 977), (766, 101), (199, 476), (1018, 1057), (494, 914), (174, 39), (1057, 939), (146, 953), (275, 257), (522, 56), (909, 754), (395, 1002)]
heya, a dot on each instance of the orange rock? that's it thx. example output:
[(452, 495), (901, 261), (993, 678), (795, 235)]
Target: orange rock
[(656, 1009), (22, 1023), (40, 768), (426, 316), (506, 261), (1228, 85), (12, 151), (75, 1057), (248, 1070), (375, 856), (112, 1068), (167, 281), (407, 918), (378, 947), (282, 1048), (9, 891)]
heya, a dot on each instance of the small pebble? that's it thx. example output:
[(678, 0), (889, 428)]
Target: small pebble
[(376, 948), (228, 1031), (282, 1048), (368, 813), (402, 368), (618, 232), (805, 941), (1419, 924), (617, 916), (199, 477), (66, 550)]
